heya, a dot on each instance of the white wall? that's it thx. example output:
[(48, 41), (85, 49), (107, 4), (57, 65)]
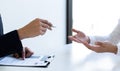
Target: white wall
[(17, 13), (93, 16)]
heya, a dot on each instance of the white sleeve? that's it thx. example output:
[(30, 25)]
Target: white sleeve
[(114, 37), (118, 51), (93, 39)]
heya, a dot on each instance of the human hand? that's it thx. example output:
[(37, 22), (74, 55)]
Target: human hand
[(79, 36), (25, 54), (101, 47), (34, 28)]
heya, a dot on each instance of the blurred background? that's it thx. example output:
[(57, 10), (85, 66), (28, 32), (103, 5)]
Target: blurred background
[(17, 13), (94, 18)]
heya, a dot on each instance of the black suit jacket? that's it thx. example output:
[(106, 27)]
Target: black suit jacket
[(10, 42)]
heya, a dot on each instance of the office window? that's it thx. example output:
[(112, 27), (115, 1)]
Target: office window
[(94, 17)]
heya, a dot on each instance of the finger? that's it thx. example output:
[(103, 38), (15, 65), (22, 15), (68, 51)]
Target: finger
[(91, 47), (47, 26), (74, 39), (50, 24), (42, 32), (28, 52), (44, 25), (43, 21), (99, 43), (86, 44), (74, 30), (46, 22)]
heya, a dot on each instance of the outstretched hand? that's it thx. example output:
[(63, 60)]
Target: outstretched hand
[(99, 46), (34, 28), (79, 36)]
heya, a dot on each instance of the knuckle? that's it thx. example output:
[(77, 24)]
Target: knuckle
[(37, 19)]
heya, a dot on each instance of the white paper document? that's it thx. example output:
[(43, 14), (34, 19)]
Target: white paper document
[(33, 61)]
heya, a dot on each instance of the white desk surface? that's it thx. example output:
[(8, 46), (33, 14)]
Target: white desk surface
[(75, 57)]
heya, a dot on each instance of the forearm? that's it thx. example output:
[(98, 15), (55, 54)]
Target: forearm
[(21, 33)]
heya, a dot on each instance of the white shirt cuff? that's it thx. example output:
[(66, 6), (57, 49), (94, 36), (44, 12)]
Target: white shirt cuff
[(92, 39), (118, 51)]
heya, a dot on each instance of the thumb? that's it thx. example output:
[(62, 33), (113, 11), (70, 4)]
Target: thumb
[(99, 43)]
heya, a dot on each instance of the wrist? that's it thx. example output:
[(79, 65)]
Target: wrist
[(118, 49), (115, 49), (88, 39), (21, 34)]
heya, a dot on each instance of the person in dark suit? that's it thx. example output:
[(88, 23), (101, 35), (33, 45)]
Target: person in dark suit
[(10, 43)]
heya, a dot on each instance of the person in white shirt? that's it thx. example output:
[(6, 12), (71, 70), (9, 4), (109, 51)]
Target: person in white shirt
[(100, 44)]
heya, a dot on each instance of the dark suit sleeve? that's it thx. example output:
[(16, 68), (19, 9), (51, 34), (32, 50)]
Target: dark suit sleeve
[(10, 43)]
